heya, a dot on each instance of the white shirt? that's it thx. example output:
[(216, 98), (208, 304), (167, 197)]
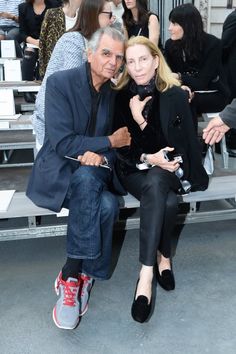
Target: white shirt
[(117, 11), (70, 21)]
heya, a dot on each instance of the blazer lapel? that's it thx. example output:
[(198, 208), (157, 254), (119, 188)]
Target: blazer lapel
[(83, 89)]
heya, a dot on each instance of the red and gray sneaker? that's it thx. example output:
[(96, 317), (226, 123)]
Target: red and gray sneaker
[(86, 284), (67, 309)]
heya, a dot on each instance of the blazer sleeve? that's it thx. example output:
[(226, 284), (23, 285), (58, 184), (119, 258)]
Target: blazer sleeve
[(228, 115), (52, 29), (60, 131), (23, 28)]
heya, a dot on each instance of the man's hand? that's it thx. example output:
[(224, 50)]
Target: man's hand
[(120, 138), (90, 159), (215, 131), (6, 15)]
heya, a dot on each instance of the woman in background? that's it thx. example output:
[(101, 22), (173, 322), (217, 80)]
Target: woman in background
[(56, 22), (194, 56), (138, 21), (163, 159), (70, 52), (31, 15)]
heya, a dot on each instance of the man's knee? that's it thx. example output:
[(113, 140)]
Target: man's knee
[(87, 177)]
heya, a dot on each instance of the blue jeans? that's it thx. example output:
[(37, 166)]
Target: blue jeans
[(92, 213)]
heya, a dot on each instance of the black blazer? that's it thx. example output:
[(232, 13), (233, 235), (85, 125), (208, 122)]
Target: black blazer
[(206, 73), (67, 115), (177, 127)]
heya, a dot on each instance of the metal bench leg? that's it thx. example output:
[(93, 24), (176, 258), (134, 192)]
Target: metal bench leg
[(224, 153)]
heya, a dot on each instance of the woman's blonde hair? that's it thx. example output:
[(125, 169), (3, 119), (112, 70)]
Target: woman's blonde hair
[(164, 77)]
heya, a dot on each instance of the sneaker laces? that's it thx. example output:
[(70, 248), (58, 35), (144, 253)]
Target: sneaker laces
[(70, 292)]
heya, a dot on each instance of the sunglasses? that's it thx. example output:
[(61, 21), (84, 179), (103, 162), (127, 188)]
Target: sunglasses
[(108, 13)]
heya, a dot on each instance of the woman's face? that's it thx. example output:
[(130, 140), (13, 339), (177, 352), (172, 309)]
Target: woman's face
[(176, 31), (141, 65), (105, 16), (130, 4)]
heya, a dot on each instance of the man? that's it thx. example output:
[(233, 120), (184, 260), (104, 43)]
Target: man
[(78, 115), (218, 126), (9, 26)]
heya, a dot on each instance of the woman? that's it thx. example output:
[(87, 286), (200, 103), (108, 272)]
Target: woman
[(195, 58), (56, 22), (69, 52), (157, 114), (31, 15), (139, 22)]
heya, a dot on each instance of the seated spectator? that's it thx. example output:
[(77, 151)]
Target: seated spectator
[(229, 63), (31, 14), (117, 12), (70, 52), (194, 56), (138, 21), (9, 22), (164, 158), (56, 22)]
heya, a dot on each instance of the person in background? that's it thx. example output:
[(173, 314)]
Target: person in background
[(194, 56), (117, 12), (31, 14), (9, 22), (228, 40), (56, 22), (138, 21), (81, 100), (164, 158), (70, 52), (221, 124)]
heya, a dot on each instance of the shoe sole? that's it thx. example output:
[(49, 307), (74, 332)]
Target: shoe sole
[(58, 325)]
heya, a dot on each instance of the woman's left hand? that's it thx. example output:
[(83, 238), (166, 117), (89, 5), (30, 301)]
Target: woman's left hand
[(159, 159), (136, 106)]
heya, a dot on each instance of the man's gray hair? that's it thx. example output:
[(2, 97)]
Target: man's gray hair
[(112, 32)]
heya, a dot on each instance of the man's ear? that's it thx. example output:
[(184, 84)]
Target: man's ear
[(89, 54)]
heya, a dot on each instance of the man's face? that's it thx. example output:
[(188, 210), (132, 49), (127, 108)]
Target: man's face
[(106, 60)]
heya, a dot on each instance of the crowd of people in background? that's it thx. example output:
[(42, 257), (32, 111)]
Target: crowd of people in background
[(138, 102)]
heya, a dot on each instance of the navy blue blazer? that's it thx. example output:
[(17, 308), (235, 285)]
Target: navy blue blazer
[(67, 114)]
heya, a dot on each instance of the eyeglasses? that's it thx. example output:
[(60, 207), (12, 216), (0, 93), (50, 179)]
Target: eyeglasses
[(108, 13)]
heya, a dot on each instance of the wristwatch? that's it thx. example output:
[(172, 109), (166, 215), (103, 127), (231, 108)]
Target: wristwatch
[(144, 159)]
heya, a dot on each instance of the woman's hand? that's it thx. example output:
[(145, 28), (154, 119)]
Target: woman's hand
[(136, 106), (158, 159)]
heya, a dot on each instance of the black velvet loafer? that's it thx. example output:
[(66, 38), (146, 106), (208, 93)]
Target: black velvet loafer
[(141, 309), (166, 279)]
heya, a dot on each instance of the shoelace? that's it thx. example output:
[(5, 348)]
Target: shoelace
[(70, 291)]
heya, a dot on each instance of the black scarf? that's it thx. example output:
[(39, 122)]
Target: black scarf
[(144, 91)]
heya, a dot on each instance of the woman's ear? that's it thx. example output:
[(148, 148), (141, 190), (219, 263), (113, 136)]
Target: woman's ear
[(156, 62)]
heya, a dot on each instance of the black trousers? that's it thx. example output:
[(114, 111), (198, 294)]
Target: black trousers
[(156, 189), (28, 66)]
